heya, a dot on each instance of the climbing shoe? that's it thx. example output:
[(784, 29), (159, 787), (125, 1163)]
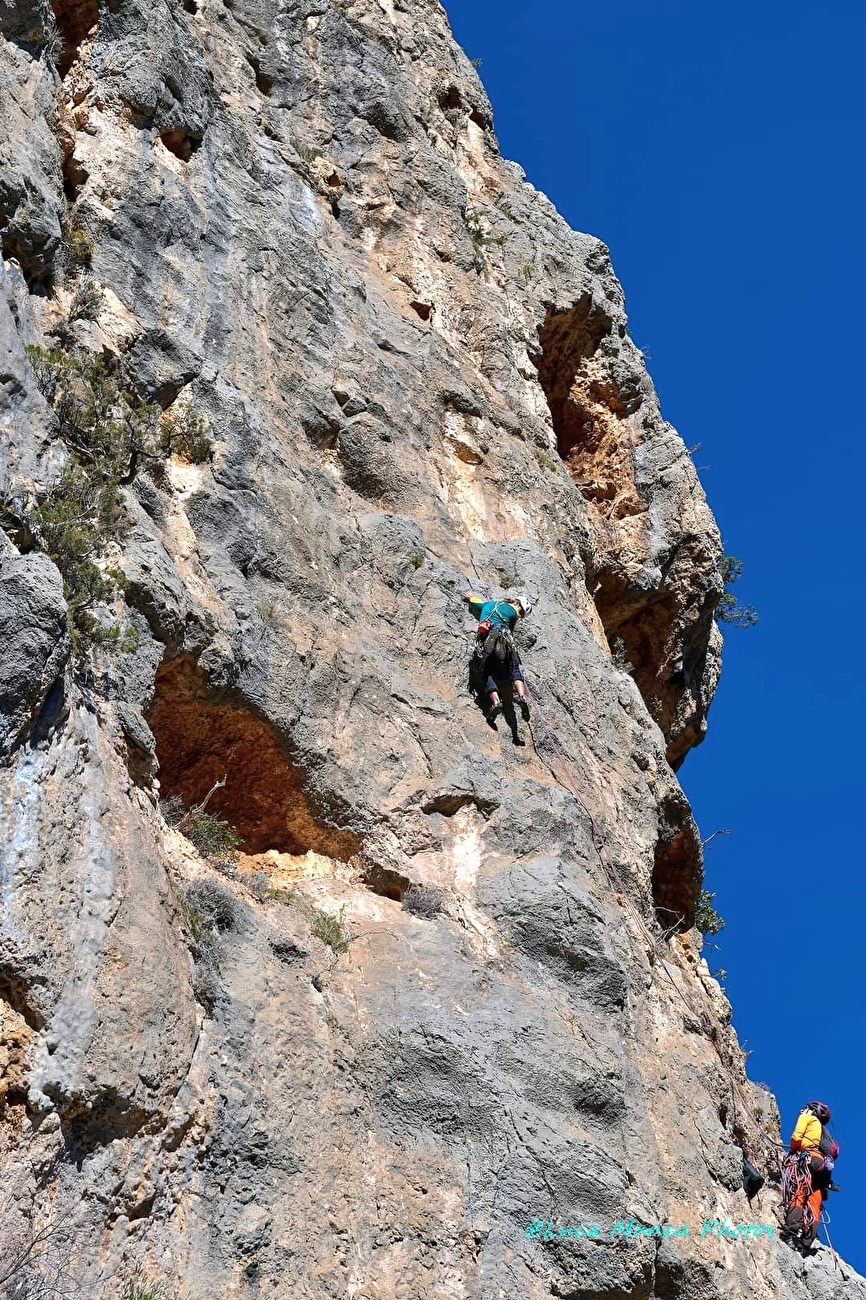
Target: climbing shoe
[(524, 707), (795, 1241), (493, 713)]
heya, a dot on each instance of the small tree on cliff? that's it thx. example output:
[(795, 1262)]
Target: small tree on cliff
[(729, 609), (707, 919)]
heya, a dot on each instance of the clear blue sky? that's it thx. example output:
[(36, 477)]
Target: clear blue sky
[(718, 151)]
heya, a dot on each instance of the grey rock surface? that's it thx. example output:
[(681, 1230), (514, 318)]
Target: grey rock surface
[(35, 641), (429, 1002)]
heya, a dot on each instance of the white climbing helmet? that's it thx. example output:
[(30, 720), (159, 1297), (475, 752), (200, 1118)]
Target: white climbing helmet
[(525, 603)]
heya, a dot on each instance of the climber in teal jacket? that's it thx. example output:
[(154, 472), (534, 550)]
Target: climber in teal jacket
[(496, 658)]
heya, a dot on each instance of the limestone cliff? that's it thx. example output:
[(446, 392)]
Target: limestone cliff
[(447, 987)]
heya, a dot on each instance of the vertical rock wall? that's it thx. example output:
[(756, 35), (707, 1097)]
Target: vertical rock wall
[(432, 1000)]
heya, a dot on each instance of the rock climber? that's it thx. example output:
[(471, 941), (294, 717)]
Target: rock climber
[(807, 1175), (496, 659)]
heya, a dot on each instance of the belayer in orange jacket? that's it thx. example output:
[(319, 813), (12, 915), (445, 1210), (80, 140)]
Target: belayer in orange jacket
[(807, 1172)]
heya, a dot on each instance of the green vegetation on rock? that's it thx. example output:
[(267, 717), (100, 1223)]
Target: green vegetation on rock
[(110, 436), (729, 609)]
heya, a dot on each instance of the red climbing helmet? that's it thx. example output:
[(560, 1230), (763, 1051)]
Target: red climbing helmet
[(820, 1111)]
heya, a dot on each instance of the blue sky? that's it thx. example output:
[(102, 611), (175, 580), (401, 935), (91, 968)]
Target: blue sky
[(718, 151)]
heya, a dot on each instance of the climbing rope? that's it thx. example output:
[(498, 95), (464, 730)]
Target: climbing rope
[(797, 1183), (549, 738)]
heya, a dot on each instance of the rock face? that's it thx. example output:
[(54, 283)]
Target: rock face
[(447, 989), (35, 640)]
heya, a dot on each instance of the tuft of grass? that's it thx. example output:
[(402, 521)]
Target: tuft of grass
[(309, 153), (276, 894), (270, 612), (545, 461), (331, 931), (141, 1287), (416, 561), (260, 885), (86, 301), (424, 900), (619, 655)]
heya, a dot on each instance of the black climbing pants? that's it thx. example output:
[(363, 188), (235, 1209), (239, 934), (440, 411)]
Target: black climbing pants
[(510, 671)]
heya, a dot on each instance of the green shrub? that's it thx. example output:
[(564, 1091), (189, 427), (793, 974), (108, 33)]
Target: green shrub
[(86, 302), (110, 435), (75, 520), (183, 432), (707, 918), (730, 610), (214, 837), (330, 930), (102, 422), (211, 912), (476, 231), (76, 247), (416, 561), (545, 461)]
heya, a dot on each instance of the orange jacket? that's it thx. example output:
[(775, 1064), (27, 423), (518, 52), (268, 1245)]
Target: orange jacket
[(807, 1132)]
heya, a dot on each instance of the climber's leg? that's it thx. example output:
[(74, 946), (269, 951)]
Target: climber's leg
[(794, 1219), (816, 1204), (495, 702), (519, 686)]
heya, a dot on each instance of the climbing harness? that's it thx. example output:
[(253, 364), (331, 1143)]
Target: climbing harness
[(494, 645)]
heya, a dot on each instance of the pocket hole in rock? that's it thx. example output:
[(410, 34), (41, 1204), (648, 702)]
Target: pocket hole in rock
[(586, 412), (678, 867), (75, 19), (264, 83), (180, 143), (202, 737)]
